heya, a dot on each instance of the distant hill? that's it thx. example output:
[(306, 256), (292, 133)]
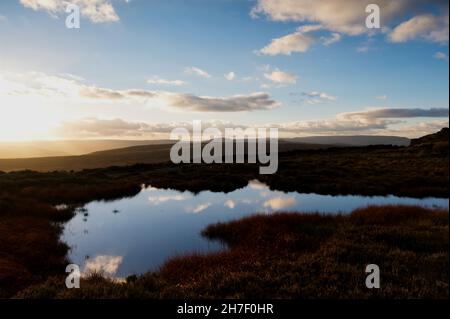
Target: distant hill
[(145, 154), (123, 156), (15, 150), (357, 140), (159, 151), (66, 147)]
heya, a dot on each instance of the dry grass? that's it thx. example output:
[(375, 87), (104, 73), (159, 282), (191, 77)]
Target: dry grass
[(272, 256), (293, 255)]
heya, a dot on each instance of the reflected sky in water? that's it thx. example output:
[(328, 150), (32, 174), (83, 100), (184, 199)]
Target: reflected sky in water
[(134, 235)]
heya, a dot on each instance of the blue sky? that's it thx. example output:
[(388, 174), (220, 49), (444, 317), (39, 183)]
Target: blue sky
[(44, 66)]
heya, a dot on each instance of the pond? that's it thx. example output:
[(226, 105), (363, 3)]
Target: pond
[(136, 235)]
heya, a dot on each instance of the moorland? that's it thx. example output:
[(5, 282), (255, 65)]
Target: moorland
[(289, 255)]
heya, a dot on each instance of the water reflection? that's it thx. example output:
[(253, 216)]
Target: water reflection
[(103, 264), (157, 224)]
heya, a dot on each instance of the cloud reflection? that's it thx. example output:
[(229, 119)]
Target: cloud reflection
[(156, 200), (230, 204), (278, 203), (199, 208), (104, 264)]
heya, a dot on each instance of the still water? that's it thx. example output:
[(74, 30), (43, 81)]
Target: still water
[(135, 235)]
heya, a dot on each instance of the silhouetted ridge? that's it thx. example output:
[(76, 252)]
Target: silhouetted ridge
[(439, 137)]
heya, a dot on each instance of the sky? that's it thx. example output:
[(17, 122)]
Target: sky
[(136, 69)]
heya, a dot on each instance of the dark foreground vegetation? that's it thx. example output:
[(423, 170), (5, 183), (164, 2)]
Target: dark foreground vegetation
[(297, 256), (30, 224)]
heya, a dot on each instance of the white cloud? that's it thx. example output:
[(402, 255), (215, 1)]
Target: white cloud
[(98, 128), (333, 38), (398, 113), (440, 56), (280, 77), (104, 264), (382, 97), (230, 76), (197, 71), (65, 87), (372, 121), (300, 41), (348, 17), (160, 81), (156, 200), (427, 26), (291, 43), (316, 97), (199, 208), (278, 203), (237, 103), (97, 11), (345, 16), (230, 204)]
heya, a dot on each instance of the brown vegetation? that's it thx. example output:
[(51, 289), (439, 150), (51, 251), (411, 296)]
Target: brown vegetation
[(291, 255), (29, 247)]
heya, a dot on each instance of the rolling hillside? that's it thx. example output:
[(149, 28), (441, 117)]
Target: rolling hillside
[(159, 151)]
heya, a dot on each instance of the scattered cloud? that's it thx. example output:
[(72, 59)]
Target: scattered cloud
[(428, 20), (230, 76), (237, 103), (383, 97), (299, 41), (281, 77), (427, 26), (97, 11), (199, 208), (278, 203), (417, 129), (156, 200), (316, 97), (440, 56), (93, 127), (93, 92), (371, 121), (333, 38), (197, 71), (230, 204), (399, 113), (288, 44), (104, 264), (64, 86), (97, 128), (160, 81), (73, 88)]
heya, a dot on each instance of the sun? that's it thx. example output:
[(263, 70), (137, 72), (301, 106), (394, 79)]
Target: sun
[(24, 118)]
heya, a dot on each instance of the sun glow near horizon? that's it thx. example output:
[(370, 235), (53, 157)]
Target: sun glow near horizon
[(306, 75)]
